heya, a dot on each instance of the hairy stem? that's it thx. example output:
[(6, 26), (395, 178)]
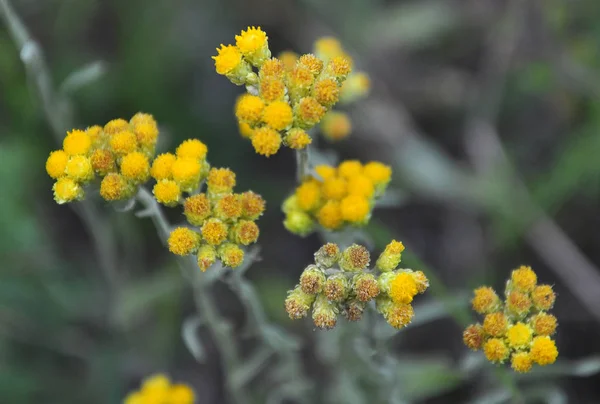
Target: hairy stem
[(302, 165)]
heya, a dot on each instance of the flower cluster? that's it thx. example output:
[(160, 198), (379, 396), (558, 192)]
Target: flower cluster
[(222, 222), (520, 328), (285, 98), (119, 153), (157, 389), (340, 282), (343, 196)]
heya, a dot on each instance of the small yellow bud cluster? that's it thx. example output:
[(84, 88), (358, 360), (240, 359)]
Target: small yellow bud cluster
[(119, 153), (343, 196), (518, 328), (223, 222), (286, 96), (158, 389), (341, 282)]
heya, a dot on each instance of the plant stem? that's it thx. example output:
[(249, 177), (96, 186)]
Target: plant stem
[(302, 166)]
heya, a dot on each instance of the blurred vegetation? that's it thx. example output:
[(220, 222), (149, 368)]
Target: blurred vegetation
[(488, 110)]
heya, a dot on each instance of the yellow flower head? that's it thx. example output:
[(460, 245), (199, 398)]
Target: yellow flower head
[(495, 324), (519, 336), (325, 171), (543, 297), (186, 172), (521, 362), (365, 287), (308, 195), (249, 109), (300, 79), (339, 67), (123, 142), (379, 173), (167, 192), (335, 188), (245, 232), (312, 280), (272, 88), (231, 255), (183, 241), (327, 92), (96, 135), (289, 60), (391, 257), (162, 166), (421, 280), (272, 68), (543, 351), (308, 112), (266, 141), (146, 134), (114, 187), (518, 303), (77, 142), (57, 163), (253, 205), (485, 300), (297, 139), (115, 126), (135, 167), (278, 115), (103, 161), (220, 180), (214, 231), (361, 185), (403, 288), (356, 86), (251, 41), (192, 148), (336, 288), (207, 255), (328, 47), (336, 126), (350, 168), (156, 382), (495, 350), (399, 315), (245, 130), (355, 209), (66, 190), (330, 215), (181, 394), (299, 223), (524, 279), (228, 59), (355, 258), (312, 63), (135, 398), (142, 119), (196, 209), (473, 337), (229, 207), (80, 168), (544, 324)]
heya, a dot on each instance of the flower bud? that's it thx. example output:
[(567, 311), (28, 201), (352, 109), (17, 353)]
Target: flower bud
[(355, 258), (354, 309), (543, 324), (327, 255), (297, 303), (523, 279), (390, 257), (324, 313), (495, 350), (398, 315), (485, 300), (518, 304), (336, 288), (495, 324), (207, 255), (299, 223), (421, 280), (473, 337), (365, 287), (543, 297), (231, 255), (245, 232), (312, 280)]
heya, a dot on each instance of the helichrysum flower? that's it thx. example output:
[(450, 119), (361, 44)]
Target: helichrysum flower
[(336, 197), (157, 389), (341, 282), (518, 328), (335, 126)]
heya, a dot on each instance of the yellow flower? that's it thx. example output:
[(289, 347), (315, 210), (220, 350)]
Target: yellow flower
[(313, 63), (543, 297), (80, 168), (544, 324), (146, 134), (308, 195), (228, 59), (328, 47), (57, 163), (473, 337), (66, 190), (339, 67), (192, 148), (114, 187), (398, 315), (289, 59), (485, 300), (335, 188), (336, 126), (167, 192), (135, 398), (245, 130), (365, 287), (135, 167), (251, 41), (181, 394), (249, 109), (103, 161), (355, 258), (355, 209), (326, 92), (272, 68), (350, 168), (245, 232), (123, 142), (361, 185), (495, 350), (356, 86), (519, 336), (300, 81), (207, 255), (186, 172), (231, 255), (116, 126), (96, 135), (308, 112), (278, 115), (214, 231), (518, 303), (220, 180), (521, 362), (77, 142), (183, 241), (403, 288), (196, 209), (272, 89), (298, 222), (162, 166), (229, 207), (390, 257), (330, 215), (495, 324), (325, 171), (266, 141), (297, 139), (421, 280), (253, 205), (142, 119), (543, 351), (379, 173), (524, 279)]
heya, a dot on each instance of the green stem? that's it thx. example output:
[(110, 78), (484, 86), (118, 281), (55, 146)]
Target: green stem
[(302, 166)]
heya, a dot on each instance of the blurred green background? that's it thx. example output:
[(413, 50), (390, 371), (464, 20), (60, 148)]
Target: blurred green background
[(489, 112)]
